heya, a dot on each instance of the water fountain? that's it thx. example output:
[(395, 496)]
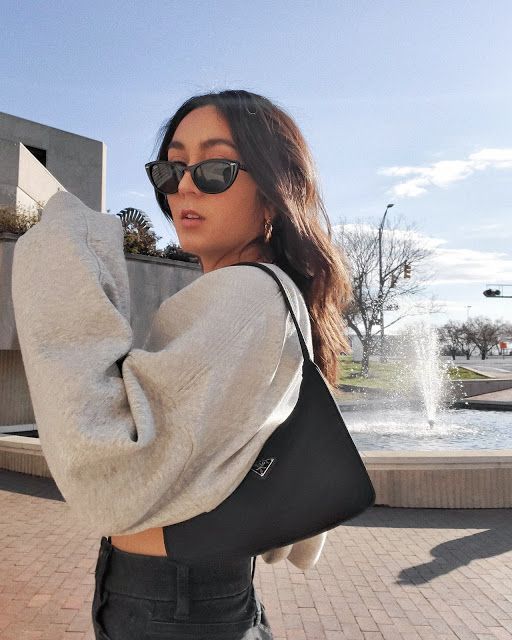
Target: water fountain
[(421, 453), (415, 414)]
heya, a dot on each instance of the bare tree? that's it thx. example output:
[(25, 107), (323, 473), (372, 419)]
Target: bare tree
[(401, 248), (485, 333), (455, 338)]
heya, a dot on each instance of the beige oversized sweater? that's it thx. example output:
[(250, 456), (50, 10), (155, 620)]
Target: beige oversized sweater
[(143, 438)]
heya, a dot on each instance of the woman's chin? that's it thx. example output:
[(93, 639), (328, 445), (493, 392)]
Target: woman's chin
[(186, 245)]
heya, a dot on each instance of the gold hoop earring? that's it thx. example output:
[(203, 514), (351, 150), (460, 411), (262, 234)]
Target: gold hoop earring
[(268, 231)]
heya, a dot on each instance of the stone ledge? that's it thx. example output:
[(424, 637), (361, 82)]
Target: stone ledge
[(415, 479), (23, 454), (488, 458)]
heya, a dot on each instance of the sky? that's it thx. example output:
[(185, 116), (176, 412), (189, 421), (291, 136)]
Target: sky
[(407, 103)]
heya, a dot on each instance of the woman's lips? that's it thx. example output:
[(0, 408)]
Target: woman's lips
[(186, 212), (190, 223)]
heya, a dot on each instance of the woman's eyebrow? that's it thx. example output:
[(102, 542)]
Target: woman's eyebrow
[(205, 144)]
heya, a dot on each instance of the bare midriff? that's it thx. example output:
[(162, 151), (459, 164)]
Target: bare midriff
[(149, 542)]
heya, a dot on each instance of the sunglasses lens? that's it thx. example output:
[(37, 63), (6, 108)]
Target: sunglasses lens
[(211, 176), (165, 177), (214, 176)]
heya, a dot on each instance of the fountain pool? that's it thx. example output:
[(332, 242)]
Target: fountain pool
[(403, 429), (414, 414)]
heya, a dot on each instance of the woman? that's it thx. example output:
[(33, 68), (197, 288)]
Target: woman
[(140, 439)]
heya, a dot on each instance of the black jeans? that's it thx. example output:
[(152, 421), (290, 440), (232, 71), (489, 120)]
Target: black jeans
[(141, 597)]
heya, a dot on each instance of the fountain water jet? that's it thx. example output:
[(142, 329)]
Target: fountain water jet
[(426, 369)]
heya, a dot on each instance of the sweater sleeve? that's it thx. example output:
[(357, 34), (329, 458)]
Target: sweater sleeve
[(304, 554), (140, 438)]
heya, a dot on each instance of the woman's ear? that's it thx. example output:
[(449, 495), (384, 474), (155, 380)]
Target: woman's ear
[(270, 211), (274, 217)]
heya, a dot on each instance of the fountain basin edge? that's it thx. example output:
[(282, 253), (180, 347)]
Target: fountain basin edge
[(466, 479)]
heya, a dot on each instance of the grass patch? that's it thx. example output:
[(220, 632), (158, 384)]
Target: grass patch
[(387, 375), (383, 375), (460, 373)]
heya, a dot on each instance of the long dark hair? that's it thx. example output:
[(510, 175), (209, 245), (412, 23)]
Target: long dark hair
[(278, 159)]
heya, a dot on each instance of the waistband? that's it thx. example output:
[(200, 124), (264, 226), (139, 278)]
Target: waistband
[(163, 578)]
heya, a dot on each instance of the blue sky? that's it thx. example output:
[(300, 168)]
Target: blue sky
[(403, 102)]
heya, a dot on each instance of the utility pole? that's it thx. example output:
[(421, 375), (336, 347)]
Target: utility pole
[(381, 284)]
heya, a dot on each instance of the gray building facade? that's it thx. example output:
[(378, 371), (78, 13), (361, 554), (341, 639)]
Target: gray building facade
[(75, 162)]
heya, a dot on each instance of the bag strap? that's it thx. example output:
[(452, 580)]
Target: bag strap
[(305, 352)]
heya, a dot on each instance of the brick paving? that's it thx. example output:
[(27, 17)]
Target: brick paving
[(390, 574)]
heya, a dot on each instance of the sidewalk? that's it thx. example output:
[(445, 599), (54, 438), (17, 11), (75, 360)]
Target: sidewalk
[(497, 400), (393, 574), (496, 372)]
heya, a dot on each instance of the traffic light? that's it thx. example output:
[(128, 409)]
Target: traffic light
[(492, 293), (394, 280), (407, 270)]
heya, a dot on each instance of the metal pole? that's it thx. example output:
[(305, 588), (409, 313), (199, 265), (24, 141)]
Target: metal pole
[(381, 285)]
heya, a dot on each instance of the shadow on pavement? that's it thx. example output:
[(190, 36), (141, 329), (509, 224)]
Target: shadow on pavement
[(29, 485)]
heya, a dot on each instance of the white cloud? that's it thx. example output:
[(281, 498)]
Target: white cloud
[(428, 242), (456, 265), (465, 266), (499, 158), (445, 172), (491, 231)]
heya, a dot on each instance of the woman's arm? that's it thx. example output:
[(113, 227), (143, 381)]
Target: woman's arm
[(174, 433)]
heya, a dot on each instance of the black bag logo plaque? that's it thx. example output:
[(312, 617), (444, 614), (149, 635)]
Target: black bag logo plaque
[(262, 466)]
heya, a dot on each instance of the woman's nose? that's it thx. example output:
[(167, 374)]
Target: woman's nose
[(186, 184)]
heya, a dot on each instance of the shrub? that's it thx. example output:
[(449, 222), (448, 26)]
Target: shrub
[(175, 252), (17, 219), (139, 237)]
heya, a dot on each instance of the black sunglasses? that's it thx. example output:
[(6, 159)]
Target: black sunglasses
[(210, 176)]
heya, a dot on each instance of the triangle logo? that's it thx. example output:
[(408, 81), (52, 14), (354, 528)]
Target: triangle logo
[(262, 466)]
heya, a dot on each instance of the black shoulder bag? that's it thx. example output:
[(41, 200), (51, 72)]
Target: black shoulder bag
[(308, 478)]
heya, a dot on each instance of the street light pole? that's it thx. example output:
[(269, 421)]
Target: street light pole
[(381, 284)]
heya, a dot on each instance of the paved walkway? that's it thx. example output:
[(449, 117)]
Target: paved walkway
[(490, 370), (390, 574), (495, 400)]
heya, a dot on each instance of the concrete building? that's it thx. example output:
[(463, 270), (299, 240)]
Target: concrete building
[(35, 160), (505, 345), (390, 345)]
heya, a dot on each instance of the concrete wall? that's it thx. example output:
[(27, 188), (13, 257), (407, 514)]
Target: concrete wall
[(8, 336), (76, 162), (441, 479), (9, 170), (151, 281), (407, 479), (15, 404), (24, 181), (478, 387), (357, 346)]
